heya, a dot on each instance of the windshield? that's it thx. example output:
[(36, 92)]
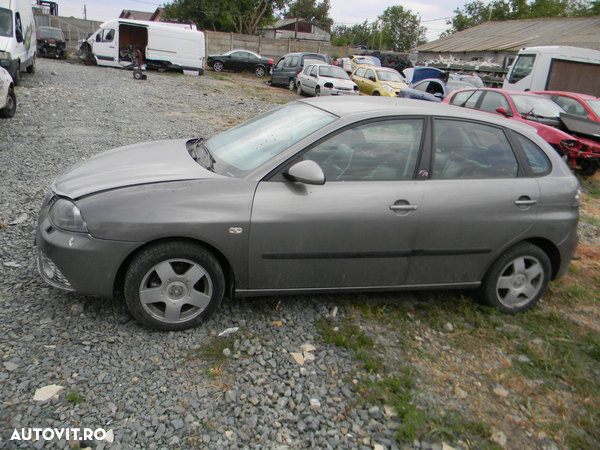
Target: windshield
[(389, 75), (51, 33), (333, 72), (6, 28), (258, 140), (595, 105), (538, 106), (522, 67)]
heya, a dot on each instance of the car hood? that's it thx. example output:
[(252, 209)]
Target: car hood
[(150, 162), (4, 41)]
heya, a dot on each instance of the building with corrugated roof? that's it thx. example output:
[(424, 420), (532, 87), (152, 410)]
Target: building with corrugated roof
[(300, 29), (499, 41)]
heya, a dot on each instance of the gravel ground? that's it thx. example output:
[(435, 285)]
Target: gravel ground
[(155, 390), (152, 389)]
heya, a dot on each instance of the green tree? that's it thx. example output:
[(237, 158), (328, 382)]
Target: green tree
[(359, 34), (401, 29), (317, 13), (240, 16)]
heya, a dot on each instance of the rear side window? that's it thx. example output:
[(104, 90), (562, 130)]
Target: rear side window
[(360, 72), (538, 160), (493, 100), (291, 61), (472, 150), (467, 99)]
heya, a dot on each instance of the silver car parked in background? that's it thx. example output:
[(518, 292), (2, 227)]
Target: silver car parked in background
[(319, 195), (324, 79)]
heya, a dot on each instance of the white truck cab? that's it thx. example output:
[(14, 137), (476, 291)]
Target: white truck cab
[(18, 42)]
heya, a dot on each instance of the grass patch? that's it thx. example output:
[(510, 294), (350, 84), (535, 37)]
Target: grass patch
[(74, 397), (213, 350), (590, 221)]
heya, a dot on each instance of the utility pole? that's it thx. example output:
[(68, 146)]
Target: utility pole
[(380, 34), (84, 12), (418, 30)]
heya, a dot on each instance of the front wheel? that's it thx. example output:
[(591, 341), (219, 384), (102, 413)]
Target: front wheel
[(11, 105), (174, 286), (259, 71), (218, 66), (317, 91), (292, 84), (376, 94), (517, 279)]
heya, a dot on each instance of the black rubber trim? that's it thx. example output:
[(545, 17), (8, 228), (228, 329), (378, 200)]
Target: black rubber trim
[(384, 254)]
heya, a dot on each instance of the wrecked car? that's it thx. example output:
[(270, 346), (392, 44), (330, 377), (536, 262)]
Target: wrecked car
[(321, 195), (8, 99), (239, 60), (51, 43), (432, 89)]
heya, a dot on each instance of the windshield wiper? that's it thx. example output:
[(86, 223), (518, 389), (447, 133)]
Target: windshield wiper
[(532, 113), (211, 160)]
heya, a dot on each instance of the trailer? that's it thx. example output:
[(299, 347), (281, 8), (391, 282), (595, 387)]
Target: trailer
[(555, 68), (162, 45)]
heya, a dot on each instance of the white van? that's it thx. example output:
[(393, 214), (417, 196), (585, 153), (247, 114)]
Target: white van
[(18, 41), (163, 45), (555, 68)]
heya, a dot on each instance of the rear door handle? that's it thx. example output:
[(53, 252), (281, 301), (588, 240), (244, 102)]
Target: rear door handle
[(525, 202)]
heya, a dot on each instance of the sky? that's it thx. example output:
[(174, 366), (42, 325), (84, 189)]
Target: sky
[(433, 13)]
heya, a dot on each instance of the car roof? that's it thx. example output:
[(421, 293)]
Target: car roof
[(567, 94), (385, 106)]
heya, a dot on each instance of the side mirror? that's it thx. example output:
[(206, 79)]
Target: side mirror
[(372, 79), (307, 172), (502, 110), (98, 38), (19, 36)]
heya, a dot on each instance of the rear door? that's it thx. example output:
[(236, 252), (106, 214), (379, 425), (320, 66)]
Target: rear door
[(478, 200), (357, 229)]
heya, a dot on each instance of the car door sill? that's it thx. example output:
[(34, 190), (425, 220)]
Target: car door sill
[(413, 287)]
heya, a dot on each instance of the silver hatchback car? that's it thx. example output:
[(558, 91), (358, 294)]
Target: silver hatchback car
[(319, 195)]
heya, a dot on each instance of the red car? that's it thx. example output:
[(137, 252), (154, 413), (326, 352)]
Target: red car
[(582, 105), (539, 112)]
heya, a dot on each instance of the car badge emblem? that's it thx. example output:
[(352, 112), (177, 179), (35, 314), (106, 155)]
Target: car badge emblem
[(236, 230)]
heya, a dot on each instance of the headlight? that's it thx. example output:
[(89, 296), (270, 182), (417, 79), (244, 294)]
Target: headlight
[(5, 55), (388, 88), (65, 215)]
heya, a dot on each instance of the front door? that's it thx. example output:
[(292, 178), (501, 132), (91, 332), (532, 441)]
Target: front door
[(357, 229), (106, 48)]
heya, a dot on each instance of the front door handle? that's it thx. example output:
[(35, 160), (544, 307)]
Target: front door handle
[(404, 207)]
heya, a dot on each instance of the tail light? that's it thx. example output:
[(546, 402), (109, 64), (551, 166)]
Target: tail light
[(270, 62)]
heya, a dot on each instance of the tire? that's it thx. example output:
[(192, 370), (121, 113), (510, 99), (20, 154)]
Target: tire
[(517, 279), (218, 66), (317, 91), (161, 68), (299, 86), (174, 286), (11, 105), (137, 75), (31, 68), (259, 71), (292, 84), (17, 77), (376, 94)]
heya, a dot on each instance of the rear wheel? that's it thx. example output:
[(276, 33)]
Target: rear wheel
[(17, 77), (259, 71), (11, 105), (31, 68), (174, 286), (292, 84), (517, 279), (218, 66)]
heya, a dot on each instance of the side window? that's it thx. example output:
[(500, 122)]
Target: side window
[(360, 72), (237, 55), (522, 67), (251, 56), (422, 87), (493, 100), (306, 70), (18, 26), (538, 160), (472, 150), (108, 36), (377, 151), (313, 72), (369, 73), (288, 61), (280, 63), (467, 99), (294, 61), (571, 106)]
